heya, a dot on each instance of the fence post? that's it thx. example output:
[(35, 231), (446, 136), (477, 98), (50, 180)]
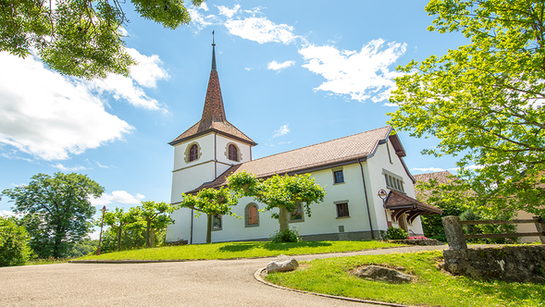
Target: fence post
[(540, 227), (454, 233)]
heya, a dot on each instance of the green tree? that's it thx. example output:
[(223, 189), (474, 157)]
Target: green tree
[(56, 210), (14, 248), (484, 101), (211, 202), (156, 217), (282, 192), (118, 220), (80, 38)]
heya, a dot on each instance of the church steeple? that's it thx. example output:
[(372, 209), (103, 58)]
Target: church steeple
[(213, 110), (213, 114)]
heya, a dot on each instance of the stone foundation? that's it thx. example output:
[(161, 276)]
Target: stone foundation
[(508, 263)]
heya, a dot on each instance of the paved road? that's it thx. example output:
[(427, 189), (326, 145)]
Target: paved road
[(192, 283)]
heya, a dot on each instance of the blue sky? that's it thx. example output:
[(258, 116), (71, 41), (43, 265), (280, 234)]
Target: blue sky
[(292, 74)]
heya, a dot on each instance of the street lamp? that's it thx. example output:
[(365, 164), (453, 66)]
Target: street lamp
[(383, 195), (101, 225)]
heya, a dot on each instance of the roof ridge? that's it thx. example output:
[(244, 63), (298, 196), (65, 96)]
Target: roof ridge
[(324, 142)]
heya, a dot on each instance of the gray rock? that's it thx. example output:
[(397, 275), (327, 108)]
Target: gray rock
[(378, 273), (282, 264)]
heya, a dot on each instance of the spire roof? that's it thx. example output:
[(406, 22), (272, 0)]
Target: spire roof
[(213, 114)]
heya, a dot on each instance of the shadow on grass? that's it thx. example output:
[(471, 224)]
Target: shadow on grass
[(238, 247), (287, 246)]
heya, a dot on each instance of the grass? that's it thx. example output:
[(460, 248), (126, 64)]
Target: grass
[(234, 250), (432, 287)]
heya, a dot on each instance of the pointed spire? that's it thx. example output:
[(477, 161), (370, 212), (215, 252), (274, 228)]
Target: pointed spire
[(213, 114), (213, 52), (213, 110)]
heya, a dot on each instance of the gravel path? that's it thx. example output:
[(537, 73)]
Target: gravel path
[(191, 283)]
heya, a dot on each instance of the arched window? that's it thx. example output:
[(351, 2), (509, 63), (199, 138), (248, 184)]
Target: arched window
[(233, 153), (193, 153), (252, 215)]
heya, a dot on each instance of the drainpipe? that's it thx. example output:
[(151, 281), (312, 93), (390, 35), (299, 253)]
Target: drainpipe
[(191, 230), (366, 200), (215, 157)]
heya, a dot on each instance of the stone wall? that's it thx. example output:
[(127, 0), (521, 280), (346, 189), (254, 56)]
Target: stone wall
[(508, 263)]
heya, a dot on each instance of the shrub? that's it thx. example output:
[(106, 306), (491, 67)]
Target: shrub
[(14, 248), (396, 233), (286, 236)]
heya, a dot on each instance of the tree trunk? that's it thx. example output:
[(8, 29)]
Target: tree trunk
[(147, 233), (119, 238), (152, 239), (283, 218), (209, 228)]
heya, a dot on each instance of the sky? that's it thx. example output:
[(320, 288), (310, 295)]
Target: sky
[(292, 74)]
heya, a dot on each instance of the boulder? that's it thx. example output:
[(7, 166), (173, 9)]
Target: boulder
[(282, 264), (378, 273)]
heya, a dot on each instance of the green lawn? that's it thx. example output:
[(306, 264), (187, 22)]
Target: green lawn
[(234, 250), (432, 287)]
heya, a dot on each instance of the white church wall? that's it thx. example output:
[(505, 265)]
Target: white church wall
[(378, 164), (323, 219)]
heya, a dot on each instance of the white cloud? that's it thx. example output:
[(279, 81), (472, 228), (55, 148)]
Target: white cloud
[(102, 166), (146, 74), (122, 197), (52, 117), (274, 65), (282, 131), (361, 75), (229, 13), (260, 30), (6, 213), (69, 169), (199, 20)]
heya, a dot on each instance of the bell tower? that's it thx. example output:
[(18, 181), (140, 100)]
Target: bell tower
[(209, 147)]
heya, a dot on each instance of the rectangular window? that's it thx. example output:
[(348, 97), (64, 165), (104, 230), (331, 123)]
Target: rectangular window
[(342, 210), (338, 176), (216, 222), (297, 214), (393, 182)]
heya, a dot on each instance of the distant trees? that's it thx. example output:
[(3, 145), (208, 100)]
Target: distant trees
[(55, 210), (14, 247), (139, 226)]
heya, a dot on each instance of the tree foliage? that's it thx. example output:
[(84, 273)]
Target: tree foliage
[(484, 101), (282, 192), (14, 247), (156, 216), (80, 38), (211, 202), (118, 220), (56, 210)]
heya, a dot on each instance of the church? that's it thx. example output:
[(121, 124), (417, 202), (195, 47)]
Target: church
[(369, 187)]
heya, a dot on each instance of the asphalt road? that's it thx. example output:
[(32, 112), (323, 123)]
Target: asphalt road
[(191, 283)]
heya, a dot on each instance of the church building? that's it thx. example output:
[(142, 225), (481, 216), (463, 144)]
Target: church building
[(368, 185)]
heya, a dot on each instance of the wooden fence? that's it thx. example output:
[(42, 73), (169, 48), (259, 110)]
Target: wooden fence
[(457, 239)]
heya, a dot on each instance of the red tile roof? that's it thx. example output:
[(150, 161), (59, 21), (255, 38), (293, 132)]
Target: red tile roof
[(400, 203), (327, 154), (441, 177)]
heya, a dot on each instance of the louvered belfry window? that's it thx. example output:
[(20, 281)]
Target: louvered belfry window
[(194, 153), (233, 153)]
